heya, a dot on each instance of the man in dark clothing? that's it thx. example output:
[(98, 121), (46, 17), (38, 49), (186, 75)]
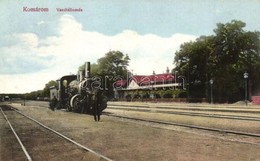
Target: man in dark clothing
[(100, 103), (96, 104), (54, 102)]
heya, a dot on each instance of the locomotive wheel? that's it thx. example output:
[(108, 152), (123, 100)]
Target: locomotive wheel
[(76, 106), (75, 103)]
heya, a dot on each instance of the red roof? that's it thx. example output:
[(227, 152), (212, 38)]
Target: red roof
[(153, 79), (120, 83), (143, 80)]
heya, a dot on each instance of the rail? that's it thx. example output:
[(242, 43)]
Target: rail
[(63, 136), (17, 137), (188, 126), (155, 110)]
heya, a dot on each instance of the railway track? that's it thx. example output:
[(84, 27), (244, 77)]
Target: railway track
[(197, 108), (39, 142), (185, 105), (186, 125), (168, 111)]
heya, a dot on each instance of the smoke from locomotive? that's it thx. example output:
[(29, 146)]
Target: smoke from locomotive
[(76, 93)]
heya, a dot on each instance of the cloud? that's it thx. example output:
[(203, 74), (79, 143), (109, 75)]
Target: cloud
[(20, 55), (23, 83), (68, 26), (51, 57), (41, 22)]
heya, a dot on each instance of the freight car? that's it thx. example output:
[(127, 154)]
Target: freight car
[(77, 93)]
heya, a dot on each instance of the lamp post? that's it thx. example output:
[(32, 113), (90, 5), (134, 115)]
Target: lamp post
[(246, 77), (152, 95), (183, 82), (211, 93), (24, 100), (175, 72)]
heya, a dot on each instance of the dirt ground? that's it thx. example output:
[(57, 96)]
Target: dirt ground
[(41, 144), (127, 141)]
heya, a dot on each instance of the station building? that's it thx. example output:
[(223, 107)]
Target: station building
[(146, 86)]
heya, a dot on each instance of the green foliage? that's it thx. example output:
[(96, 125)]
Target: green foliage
[(223, 57), (168, 93), (40, 93), (113, 64), (111, 67), (33, 95), (46, 90), (177, 93)]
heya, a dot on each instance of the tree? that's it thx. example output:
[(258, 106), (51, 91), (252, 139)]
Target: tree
[(223, 57), (108, 69), (46, 90), (192, 62), (114, 63), (33, 95), (235, 51)]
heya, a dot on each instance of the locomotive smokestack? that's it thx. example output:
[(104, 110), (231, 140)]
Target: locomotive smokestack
[(81, 75), (87, 69)]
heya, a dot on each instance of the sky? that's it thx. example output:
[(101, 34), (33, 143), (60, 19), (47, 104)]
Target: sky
[(36, 47)]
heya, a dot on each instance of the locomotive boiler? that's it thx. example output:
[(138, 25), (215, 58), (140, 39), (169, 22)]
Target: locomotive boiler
[(78, 93)]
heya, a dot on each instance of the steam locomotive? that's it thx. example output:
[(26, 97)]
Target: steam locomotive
[(78, 93)]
